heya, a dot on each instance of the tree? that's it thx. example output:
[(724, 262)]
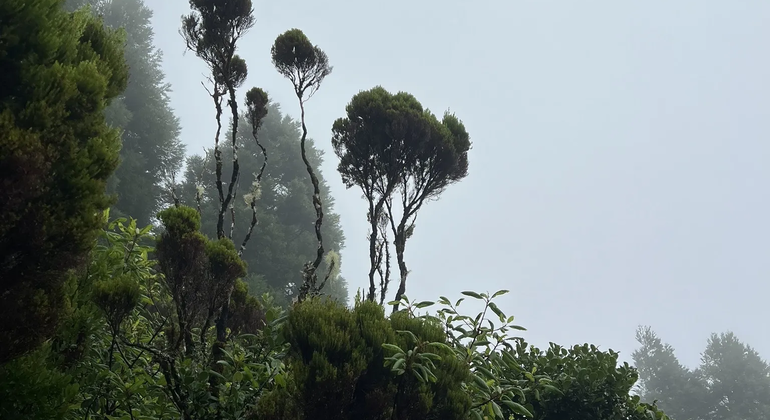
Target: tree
[(284, 238), (151, 149), (731, 383), (58, 72), (737, 377), (374, 134), (212, 32), (664, 379), (305, 65), (387, 144)]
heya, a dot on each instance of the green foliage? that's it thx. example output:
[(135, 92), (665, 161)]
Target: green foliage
[(731, 383), (583, 383), (180, 221), (510, 379), (32, 387), (173, 331), (151, 148), (117, 298), (337, 360), (138, 370), (58, 72)]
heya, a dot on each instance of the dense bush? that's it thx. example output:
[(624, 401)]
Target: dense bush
[(58, 72), (337, 362)]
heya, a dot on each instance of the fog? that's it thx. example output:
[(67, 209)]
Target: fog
[(618, 171)]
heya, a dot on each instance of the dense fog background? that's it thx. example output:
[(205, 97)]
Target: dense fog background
[(619, 169)]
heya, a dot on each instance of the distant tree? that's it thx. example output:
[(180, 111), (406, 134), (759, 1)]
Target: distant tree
[(284, 237), (680, 392), (731, 383), (738, 379), (388, 145), (306, 66), (58, 72), (151, 147)]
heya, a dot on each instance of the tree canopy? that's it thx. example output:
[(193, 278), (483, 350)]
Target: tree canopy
[(58, 72)]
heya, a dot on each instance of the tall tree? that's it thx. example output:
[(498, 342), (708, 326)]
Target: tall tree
[(731, 383), (390, 146), (212, 32), (284, 237), (306, 66), (151, 147), (370, 143), (58, 72)]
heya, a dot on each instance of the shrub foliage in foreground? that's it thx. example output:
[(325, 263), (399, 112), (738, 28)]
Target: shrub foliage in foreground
[(142, 342)]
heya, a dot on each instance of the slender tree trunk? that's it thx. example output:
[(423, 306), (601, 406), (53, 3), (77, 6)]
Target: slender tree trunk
[(372, 252), (218, 162), (309, 281), (375, 211), (253, 204), (236, 168), (400, 241), (385, 277)]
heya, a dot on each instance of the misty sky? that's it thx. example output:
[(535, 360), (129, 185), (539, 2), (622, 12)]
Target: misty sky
[(618, 174)]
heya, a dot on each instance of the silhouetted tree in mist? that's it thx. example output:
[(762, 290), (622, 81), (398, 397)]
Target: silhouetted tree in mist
[(390, 147), (306, 66)]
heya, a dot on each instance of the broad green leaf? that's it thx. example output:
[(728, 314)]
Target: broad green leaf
[(497, 411), (472, 294), (517, 408), (499, 293), (392, 347), (497, 311)]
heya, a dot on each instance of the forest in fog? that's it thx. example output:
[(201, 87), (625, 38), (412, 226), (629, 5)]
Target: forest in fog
[(141, 279)]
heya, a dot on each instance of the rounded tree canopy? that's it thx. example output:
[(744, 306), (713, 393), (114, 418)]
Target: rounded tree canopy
[(386, 138), (297, 59), (256, 106)]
